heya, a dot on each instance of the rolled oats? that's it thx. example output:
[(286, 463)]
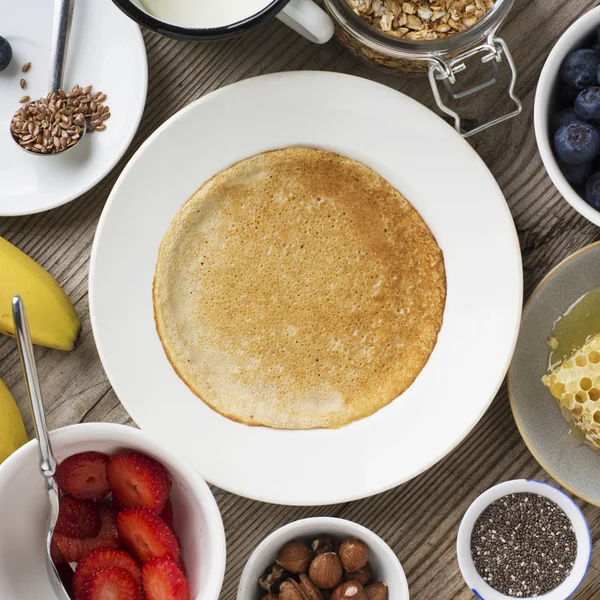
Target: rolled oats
[(421, 19)]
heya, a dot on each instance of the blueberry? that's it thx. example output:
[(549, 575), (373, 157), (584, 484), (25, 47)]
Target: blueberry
[(587, 104), (592, 191), (580, 69), (596, 46), (5, 53), (577, 142), (576, 174), (563, 118)]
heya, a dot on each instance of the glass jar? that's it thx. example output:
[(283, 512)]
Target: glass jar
[(440, 59)]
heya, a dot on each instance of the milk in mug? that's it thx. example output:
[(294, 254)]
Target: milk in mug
[(203, 13)]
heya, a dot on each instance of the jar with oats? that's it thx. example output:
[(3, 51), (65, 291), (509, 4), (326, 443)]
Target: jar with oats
[(438, 38)]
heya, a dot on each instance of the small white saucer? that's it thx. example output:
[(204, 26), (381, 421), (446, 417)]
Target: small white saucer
[(106, 50), (582, 533)]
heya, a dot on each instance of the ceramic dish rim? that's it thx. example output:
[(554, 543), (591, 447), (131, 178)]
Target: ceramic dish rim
[(511, 393), (279, 534), (542, 103), (110, 431), (112, 163), (385, 486), (500, 490)]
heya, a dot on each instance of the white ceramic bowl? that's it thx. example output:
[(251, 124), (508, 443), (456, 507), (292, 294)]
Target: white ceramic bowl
[(582, 532), (545, 106), (23, 523), (384, 563)]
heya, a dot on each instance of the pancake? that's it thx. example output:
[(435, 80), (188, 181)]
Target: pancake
[(298, 289)]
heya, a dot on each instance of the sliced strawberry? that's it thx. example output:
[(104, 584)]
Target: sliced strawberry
[(138, 480), (100, 559), (83, 475), (181, 564), (75, 549), (77, 518), (112, 583), (146, 535), (167, 513), (58, 558), (164, 581)]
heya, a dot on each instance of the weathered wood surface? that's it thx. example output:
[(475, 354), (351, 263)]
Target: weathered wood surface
[(419, 519)]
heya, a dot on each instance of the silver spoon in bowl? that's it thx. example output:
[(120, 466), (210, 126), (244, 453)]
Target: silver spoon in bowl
[(48, 463), (61, 27)]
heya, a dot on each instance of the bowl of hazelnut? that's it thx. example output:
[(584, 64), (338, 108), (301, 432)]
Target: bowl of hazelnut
[(323, 558)]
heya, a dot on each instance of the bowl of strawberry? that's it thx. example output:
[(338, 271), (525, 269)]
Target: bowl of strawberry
[(135, 521), (567, 115)]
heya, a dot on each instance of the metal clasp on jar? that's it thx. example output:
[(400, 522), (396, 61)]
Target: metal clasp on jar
[(493, 51)]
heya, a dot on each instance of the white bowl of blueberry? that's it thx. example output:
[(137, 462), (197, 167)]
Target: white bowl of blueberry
[(567, 115)]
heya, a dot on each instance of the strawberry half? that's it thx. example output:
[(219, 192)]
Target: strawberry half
[(83, 475), (100, 559), (77, 518), (112, 583), (164, 581), (181, 564), (75, 549), (58, 558), (167, 514), (138, 480), (146, 535)]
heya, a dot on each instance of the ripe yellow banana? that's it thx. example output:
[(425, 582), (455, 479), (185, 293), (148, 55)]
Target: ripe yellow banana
[(52, 318), (12, 430)]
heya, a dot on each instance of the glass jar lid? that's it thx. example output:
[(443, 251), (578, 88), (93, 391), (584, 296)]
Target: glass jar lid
[(443, 58)]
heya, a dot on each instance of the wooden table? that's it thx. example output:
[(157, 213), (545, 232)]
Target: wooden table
[(419, 519)]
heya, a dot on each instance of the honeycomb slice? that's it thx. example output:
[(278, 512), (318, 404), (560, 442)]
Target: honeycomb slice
[(576, 384)]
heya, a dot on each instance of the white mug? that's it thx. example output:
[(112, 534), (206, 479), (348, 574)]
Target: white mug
[(195, 20), (305, 17)]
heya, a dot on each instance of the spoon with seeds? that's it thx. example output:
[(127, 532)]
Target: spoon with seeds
[(52, 125)]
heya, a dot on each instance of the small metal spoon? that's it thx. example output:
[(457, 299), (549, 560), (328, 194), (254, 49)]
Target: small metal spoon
[(47, 461), (61, 27)]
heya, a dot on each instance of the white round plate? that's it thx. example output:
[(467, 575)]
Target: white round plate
[(420, 155), (105, 50)]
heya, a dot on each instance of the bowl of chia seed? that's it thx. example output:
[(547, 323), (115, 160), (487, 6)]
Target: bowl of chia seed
[(524, 539)]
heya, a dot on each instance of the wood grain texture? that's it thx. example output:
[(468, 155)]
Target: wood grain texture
[(419, 519)]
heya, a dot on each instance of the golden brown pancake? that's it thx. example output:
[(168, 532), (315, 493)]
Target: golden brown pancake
[(298, 289)]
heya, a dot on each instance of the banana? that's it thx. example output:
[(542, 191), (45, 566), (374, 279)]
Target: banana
[(52, 318), (12, 430)]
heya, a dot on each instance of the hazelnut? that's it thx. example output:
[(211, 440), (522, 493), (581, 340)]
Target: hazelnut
[(270, 597), (290, 590), (310, 589), (321, 545), (353, 554), (295, 557), (272, 578), (326, 570), (363, 576), (377, 591), (351, 590)]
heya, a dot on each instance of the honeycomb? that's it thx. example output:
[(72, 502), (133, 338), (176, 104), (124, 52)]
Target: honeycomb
[(576, 385)]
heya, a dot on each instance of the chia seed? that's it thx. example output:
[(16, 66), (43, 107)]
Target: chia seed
[(523, 545)]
